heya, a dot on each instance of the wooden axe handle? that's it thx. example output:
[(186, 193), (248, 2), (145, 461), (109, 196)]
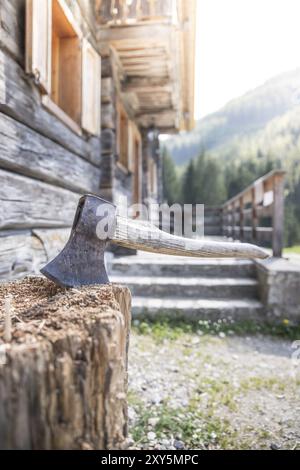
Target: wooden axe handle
[(141, 235)]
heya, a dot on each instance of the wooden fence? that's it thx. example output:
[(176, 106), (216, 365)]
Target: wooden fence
[(256, 214)]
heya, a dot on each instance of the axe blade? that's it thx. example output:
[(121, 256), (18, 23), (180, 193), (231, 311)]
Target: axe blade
[(81, 262)]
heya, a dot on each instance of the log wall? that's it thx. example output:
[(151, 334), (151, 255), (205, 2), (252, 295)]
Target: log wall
[(115, 181), (44, 165)]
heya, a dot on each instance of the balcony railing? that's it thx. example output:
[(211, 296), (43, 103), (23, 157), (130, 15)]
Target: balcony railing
[(130, 11), (256, 214)]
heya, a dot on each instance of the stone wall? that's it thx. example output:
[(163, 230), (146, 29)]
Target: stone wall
[(279, 285)]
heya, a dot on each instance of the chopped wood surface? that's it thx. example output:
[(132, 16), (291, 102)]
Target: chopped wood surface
[(42, 309)]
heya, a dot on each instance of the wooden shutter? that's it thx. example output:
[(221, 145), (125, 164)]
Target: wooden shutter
[(91, 89), (38, 42)]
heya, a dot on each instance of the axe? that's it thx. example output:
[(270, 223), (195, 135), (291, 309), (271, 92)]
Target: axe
[(96, 222)]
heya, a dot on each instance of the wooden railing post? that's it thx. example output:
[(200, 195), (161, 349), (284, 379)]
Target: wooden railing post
[(278, 214), (241, 211), (254, 214), (232, 220), (227, 222), (225, 228), (223, 221)]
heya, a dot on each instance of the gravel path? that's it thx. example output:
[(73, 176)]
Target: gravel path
[(198, 391)]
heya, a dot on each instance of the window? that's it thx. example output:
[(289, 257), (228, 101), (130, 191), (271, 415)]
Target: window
[(66, 67)]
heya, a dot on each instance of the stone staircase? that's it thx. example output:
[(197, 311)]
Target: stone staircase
[(189, 288)]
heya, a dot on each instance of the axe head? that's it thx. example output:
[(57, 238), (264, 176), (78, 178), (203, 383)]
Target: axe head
[(81, 262)]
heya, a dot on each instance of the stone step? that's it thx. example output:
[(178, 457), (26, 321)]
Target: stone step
[(183, 267), (189, 287), (192, 309)]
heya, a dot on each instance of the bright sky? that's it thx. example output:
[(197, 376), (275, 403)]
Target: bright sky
[(240, 44)]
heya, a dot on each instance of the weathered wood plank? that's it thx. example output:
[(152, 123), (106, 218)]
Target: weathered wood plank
[(162, 120), (107, 90), (25, 252), (28, 203), (108, 116), (53, 240), (12, 28), (20, 254), (27, 152), (106, 67), (20, 98), (149, 35)]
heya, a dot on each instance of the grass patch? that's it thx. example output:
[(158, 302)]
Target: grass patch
[(197, 428), (263, 383), (199, 424), (163, 330), (166, 328), (219, 392), (292, 250)]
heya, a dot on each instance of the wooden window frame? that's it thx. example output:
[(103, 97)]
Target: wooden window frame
[(45, 84), (37, 64), (47, 100), (54, 109), (91, 118)]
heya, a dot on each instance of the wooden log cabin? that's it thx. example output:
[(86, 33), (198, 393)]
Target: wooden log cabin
[(86, 87)]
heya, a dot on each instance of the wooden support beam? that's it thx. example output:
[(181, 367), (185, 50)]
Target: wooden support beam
[(162, 119), (154, 34), (278, 214)]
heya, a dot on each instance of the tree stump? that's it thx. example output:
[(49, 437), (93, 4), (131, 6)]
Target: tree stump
[(63, 378)]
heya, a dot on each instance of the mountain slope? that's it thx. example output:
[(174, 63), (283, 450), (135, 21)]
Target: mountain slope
[(264, 120)]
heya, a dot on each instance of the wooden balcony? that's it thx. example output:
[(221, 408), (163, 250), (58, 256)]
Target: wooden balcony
[(152, 45), (114, 12)]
